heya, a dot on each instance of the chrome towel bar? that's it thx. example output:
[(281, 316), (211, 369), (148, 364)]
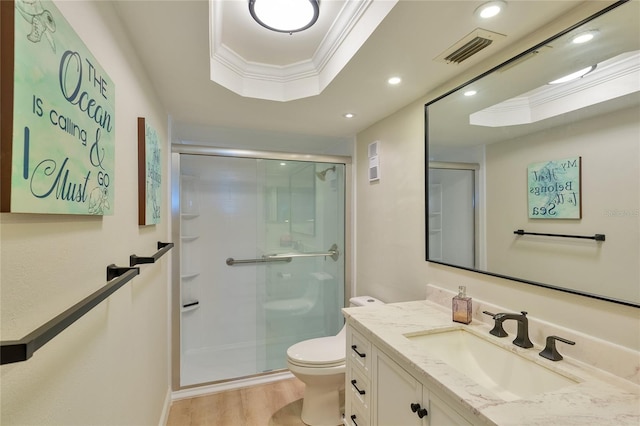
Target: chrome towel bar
[(333, 253)]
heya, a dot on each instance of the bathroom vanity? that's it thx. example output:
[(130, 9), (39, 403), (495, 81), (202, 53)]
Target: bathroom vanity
[(409, 364)]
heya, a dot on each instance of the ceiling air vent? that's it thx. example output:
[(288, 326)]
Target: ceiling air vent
[(473, 43)]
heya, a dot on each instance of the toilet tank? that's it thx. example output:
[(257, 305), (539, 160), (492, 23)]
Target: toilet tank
[(364, 301)]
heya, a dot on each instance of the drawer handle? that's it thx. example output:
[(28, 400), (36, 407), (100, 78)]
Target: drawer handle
[(353, 419), (361, 392), (421, 412), (356, 351)]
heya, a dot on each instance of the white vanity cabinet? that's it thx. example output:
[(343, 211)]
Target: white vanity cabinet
[(392, 396)]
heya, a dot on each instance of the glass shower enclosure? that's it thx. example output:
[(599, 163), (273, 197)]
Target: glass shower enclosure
[(261, 262), (453, 214)]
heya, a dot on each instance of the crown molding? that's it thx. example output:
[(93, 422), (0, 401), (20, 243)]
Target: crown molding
[(353, 25), (611, 79)]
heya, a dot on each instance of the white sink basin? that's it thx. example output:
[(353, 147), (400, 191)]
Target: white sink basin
[(504, 373)]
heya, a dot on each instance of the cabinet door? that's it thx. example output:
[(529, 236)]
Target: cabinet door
[(441, 414), (394, 392)]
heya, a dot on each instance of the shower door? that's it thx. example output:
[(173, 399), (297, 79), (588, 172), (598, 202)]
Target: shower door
[(453, 233), (261, 265)]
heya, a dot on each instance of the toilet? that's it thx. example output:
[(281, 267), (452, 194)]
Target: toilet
[(320, 364)]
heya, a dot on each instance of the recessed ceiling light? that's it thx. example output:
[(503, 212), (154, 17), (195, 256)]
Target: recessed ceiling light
[(470, 93), (283, 164), (394, 80), (574, 75), (490, 9), (349, 115), (583, 37)]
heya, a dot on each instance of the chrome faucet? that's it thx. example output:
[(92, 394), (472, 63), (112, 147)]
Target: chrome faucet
[(522, 339)]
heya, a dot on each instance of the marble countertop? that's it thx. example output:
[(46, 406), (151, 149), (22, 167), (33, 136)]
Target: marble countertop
[(599, 398)]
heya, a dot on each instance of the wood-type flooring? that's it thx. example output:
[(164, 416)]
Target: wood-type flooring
[(272, 404)]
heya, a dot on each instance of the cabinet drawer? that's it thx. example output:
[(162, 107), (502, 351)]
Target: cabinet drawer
[(357, 418), (359, 351), (359, 390)]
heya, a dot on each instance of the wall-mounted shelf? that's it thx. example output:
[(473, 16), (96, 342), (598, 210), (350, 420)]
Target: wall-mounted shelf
[(190, 306), (189, 234), (187, 276), (188, 216)]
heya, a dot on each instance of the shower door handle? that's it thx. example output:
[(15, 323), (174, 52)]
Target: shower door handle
[(231, 261), (333, 253)]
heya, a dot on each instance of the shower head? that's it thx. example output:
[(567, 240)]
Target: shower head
[(323, 174)]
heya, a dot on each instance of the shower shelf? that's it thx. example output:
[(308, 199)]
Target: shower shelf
[(434, 244), (189, 215), (192, 275), (187, 238), (190, 307)]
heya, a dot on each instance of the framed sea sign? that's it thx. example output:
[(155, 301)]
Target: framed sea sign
[(149, 174), (57, 116), (554, 189)]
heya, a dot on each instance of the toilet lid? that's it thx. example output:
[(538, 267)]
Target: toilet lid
[(323, 351)]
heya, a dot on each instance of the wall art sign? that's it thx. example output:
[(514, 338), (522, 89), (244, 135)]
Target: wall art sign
[(554, 189), (58, 116), (149, 174)]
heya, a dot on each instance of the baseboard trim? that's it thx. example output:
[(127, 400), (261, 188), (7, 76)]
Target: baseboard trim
[(166, 407), (234, 384)]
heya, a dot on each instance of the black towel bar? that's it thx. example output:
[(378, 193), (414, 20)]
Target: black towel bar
[(117, 276), (162, 249), (21, 350), (597, 237)]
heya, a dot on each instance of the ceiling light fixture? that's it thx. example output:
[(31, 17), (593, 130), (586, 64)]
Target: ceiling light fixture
[(394, 80), (285, 16), (470, 93), (349, 115), (490, 9), (583, 37), (574, 75)]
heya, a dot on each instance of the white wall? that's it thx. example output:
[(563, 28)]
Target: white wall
[(111, 366), (609, 146), (247, 138), (390, 225)]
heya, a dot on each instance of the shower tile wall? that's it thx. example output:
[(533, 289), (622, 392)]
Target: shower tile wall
[(233, 209)]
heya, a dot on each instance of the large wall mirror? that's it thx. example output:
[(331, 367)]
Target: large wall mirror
[(540, 182)]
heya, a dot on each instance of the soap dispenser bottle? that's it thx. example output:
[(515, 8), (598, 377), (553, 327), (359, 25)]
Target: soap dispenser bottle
[(461, 306)]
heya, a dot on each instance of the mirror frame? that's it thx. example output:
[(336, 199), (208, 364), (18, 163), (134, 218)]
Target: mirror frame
[(426, 162)]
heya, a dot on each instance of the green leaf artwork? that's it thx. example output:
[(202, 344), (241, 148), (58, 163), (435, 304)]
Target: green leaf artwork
[(153, 175)]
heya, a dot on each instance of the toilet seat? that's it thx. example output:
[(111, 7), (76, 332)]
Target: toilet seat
[(321, 352)]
